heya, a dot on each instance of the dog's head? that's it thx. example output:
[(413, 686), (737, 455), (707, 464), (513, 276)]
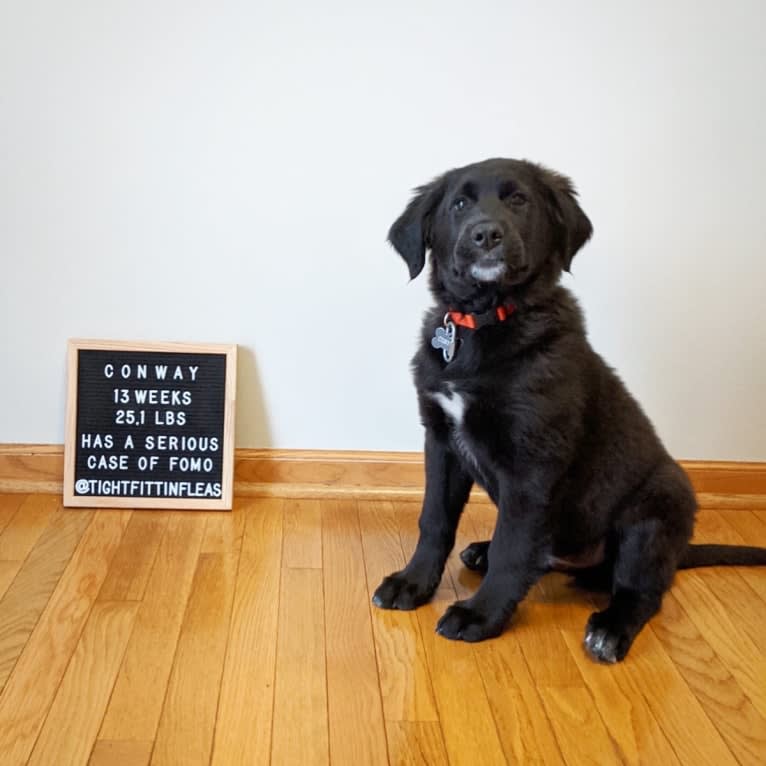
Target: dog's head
[(495, 229)]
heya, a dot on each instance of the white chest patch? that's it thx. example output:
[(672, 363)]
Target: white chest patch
[(452, 403)]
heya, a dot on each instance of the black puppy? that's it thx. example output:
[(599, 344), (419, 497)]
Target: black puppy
[(513, 398)]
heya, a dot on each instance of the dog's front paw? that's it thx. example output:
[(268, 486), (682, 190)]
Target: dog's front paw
[(397, 591), (605, 641), (462, 622)]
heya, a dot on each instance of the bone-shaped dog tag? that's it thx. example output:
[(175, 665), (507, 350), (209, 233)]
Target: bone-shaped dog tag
[(445, 339)]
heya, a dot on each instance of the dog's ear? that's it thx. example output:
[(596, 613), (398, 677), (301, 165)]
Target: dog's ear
[(410, 234), (574, 228)]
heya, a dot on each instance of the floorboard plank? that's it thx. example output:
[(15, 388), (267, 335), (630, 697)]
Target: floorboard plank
[(726, 705), (28, 695), (303, 534), (357, 732), (246, 704), (522, 723), (8, 570), (749, 526), (404, 680), (415, 743), (9, 505), (136, 703), (132, 565), (740, 601), (470, 732), (34, 582), (727, 640), (675, 708), (300, 701), (736, 528), (537, 627), (623, 709), (581, 733), (224, 531), (107, 753), (29, 521), (523, 726), (185, 733), (72, 724), (751, 531)]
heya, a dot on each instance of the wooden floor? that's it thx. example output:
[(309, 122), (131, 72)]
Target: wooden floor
[(249, 637)]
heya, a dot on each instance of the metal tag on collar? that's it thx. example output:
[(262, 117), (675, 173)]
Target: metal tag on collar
[(445, 338)]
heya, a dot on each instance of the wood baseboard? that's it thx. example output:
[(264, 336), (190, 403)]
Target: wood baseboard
[(371, 475)]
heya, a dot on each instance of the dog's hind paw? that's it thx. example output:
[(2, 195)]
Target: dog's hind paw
[(475, 557), (605, 643)]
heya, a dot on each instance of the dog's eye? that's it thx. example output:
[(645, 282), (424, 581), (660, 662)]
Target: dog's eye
[(517, 198), (460, 204)]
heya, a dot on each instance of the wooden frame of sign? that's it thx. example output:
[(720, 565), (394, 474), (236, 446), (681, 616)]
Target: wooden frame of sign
[(150, 425)]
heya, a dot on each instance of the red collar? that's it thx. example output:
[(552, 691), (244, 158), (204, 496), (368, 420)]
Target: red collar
[(475, 321)]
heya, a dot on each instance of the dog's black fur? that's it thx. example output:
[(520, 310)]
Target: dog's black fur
[(527, 410)]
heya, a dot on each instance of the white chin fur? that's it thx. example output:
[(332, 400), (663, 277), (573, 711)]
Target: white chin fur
[(487, 273)]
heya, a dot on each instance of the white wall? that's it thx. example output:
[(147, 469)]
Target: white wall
[(227, 171)]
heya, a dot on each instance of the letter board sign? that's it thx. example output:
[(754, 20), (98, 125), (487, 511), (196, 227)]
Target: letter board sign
[(150, 425)]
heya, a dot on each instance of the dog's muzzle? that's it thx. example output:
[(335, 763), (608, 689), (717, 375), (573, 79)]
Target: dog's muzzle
[(485, 252)]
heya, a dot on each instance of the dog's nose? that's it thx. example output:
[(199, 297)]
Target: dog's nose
[(486, 235)]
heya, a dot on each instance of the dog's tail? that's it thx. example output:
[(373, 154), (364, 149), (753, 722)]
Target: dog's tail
[(722, 556)]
